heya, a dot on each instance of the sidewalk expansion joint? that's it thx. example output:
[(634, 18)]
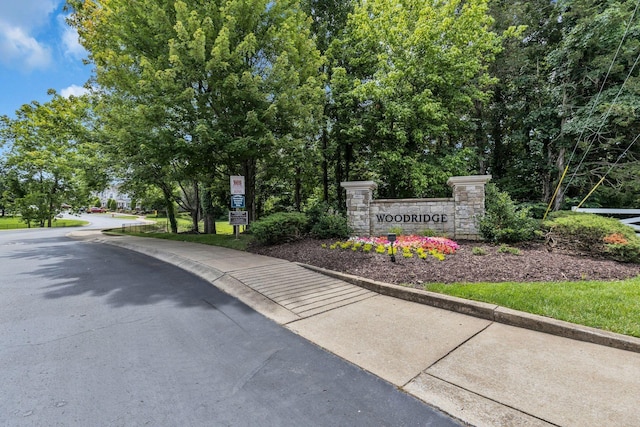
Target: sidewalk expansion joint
[(487, 398), (492, 312)]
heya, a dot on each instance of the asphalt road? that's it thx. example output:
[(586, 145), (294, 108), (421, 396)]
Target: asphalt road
[(97, 335)]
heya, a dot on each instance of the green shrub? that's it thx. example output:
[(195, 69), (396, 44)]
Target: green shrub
[(280, 228), (329, 226), (504, 221), (505, 249), (629, 252), (429, 233), (588, 227), (397, 230), (326, 223), (478, 251), (594, 234)]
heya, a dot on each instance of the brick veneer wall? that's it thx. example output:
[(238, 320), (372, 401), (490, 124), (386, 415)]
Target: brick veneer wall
[(454, 217)]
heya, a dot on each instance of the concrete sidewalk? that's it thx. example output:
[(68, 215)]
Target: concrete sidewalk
[(480, 369)]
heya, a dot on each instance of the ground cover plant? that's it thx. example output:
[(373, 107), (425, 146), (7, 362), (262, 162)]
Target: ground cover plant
[(594, 235)]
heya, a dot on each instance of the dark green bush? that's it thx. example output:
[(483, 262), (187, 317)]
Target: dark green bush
[(326, 223), (280, 228), (504, 221), (331, 225)]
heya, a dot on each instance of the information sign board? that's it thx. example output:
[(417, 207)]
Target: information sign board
[(238, 217), (237, 201)]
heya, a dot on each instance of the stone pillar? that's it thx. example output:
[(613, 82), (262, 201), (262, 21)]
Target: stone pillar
[(468, 195), (359, 196)]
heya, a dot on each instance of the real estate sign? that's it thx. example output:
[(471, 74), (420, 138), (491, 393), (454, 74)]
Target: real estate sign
[(237, 185)]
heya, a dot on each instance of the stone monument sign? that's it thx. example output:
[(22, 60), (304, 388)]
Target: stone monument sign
[(454, 217)]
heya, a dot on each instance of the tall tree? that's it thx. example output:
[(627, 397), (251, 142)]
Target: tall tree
[(49, 162), (224, 87), (597, 91), (516, 129), (329, 20), (408, 74)]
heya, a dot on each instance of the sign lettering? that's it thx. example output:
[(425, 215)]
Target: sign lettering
[(412, 218)]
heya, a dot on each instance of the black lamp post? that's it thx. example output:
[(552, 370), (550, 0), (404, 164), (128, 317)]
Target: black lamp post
[(391, 237)]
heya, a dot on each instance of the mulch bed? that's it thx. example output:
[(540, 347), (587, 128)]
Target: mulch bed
[(536, 262)]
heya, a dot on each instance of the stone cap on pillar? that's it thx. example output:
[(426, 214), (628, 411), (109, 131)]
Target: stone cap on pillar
[(468, 180), (359, 185)]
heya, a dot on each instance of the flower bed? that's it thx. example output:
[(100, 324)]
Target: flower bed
[(409, 246)]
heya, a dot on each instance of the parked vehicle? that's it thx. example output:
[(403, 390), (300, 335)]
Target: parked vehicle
[(96, 210)]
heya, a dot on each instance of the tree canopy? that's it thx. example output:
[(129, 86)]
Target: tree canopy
[(50, 160), (299, 96)]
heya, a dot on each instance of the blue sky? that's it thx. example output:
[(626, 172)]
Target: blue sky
[(38, 52)]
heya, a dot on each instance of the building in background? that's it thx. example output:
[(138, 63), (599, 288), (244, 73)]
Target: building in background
[(112, 192)]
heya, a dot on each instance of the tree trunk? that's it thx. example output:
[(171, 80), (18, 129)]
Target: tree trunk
[(171, 210), (208, 214), (298, 190), (250, 188), (195, 207), (339, 179), (325, 165), (560, 166)]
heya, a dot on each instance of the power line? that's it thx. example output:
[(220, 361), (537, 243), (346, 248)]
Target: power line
[(592, 110), (610, 169)]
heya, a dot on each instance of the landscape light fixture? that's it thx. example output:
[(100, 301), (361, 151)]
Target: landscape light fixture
[(391, 237)]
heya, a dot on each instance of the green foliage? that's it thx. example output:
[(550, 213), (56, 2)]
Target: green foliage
[(331, 225), (326, 223), (280, 228), (505, 249), (397, 230), (504, 221), (196, 91), (478, 251), (404, 79), (50, 157), (429, 233), (595, 234), (627, 252), (589, 228)]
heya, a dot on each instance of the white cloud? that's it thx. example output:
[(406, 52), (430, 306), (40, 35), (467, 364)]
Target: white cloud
[(28, 14), (71, 43), (74, 90), (19, 48)]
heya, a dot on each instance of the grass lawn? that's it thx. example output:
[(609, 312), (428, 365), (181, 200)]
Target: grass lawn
[(224, 240), (224, 236), (185, 224), (612, 306), (125, 216), (10, 223)]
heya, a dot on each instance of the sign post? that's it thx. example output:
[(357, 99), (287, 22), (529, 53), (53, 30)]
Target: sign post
[(237, 217)]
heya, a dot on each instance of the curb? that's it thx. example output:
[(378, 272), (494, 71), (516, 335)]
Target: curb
[(491, 312)]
